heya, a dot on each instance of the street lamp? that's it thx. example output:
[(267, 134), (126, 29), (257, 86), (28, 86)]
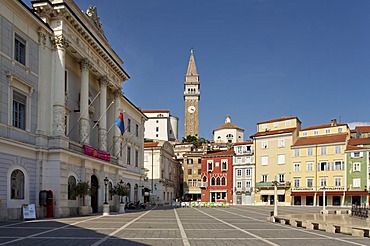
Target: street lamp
[(106, 180), (323, 200), (275, 197), (121, 187)]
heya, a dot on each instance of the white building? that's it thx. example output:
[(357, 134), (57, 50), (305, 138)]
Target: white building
[(244, 172), (161, 125), (162, 171), (228, 133), (62, 94)]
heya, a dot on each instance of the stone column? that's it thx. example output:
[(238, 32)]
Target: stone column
[(60, 45), (84, 102), (117, 132), (103, 116)]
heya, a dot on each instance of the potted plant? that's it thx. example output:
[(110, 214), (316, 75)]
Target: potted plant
[(121, 190), (81, 190)]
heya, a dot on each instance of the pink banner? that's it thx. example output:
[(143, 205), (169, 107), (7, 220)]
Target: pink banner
[(88, 150)]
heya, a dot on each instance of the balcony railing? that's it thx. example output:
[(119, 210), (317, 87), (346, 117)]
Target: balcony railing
[(202, 184)]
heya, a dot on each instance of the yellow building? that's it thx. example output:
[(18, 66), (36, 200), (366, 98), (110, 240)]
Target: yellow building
[(272, 144), (318, 165)]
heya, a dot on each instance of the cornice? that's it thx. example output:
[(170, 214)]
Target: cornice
[(81, 38)]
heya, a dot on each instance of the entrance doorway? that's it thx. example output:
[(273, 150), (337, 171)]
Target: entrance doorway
[(309, 200), (94, 193), (336, 200), (356, 200), (297, 200)]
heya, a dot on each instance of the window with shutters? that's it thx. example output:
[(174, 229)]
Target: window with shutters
[(337, 181), (309, 182), (323, 166), (356, 166), (210, 166), (356, 183), (281, 159), (338, 165)]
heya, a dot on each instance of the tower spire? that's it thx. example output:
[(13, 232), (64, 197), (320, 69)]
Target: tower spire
[(192, 68)]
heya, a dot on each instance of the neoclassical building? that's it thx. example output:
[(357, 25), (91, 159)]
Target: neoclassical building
[(162, 172), (61, 82)]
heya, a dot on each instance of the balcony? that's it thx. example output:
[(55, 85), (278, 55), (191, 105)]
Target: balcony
[(202, 185), (242, 190), (284, 184)]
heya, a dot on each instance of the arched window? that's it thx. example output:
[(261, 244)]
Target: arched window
[(204, 179), (17, 184), (218, 181), (71, 185), (223, 181), (213, 181), (110, 188)]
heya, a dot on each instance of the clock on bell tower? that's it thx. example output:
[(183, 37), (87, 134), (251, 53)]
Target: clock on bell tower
[(191, 98)]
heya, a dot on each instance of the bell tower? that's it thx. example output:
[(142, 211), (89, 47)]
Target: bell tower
[(191, 98)]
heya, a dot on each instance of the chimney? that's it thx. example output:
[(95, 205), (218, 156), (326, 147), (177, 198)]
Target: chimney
[(333, 122)]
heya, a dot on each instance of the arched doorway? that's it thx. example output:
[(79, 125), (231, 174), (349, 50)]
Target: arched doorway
[(129, 192), (94, 193)]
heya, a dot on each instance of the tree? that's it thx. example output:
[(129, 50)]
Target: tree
[(194, 140), (120, 190), (81, 190)]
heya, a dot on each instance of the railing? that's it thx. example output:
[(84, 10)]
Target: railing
[(202, 184), (360, 211)]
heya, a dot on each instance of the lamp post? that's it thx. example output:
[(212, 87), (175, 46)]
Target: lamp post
[(121, 204), (323, 200), (106, 205), (275, 197), (121, 187), (106, 180)]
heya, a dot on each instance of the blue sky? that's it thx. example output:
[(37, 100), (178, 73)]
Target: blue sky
[(257, 59)]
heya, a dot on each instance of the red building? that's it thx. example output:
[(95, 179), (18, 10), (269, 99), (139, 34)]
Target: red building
[(217, 177)]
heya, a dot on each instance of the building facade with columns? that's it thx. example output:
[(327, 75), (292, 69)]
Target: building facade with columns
[(67, 123)]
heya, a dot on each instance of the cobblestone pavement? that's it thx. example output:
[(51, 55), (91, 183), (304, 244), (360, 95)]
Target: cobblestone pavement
[(236, 225)]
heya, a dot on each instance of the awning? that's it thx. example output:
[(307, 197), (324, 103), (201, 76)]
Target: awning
[(319, 193), (271, 192), (303, 193), (357, 193)]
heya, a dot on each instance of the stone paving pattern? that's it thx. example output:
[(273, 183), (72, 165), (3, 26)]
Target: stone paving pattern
[(236, 225)]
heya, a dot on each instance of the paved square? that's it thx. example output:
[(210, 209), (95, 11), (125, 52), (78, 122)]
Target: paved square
[(236, 225)]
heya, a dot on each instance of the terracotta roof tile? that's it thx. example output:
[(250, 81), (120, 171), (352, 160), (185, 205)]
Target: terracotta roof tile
[(279, 119), (220, 153), (334, 138), (243, 143), (321, 126), (275, 132), (150, 144), (349, 148), (358, 141), (363, 128), (228, 125)]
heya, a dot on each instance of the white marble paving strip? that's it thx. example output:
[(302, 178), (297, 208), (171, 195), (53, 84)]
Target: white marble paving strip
[(297, 229), (185, 240), (119, 229), (240, 229)]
